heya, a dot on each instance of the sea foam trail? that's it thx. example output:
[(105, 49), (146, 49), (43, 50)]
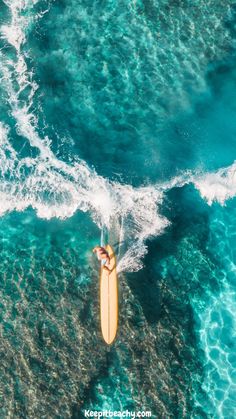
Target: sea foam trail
[(55, 189)]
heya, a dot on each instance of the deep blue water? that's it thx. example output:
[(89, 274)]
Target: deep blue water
[(118, 119)]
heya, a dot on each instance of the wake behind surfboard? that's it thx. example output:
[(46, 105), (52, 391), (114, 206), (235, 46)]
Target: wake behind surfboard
[(109, 299)]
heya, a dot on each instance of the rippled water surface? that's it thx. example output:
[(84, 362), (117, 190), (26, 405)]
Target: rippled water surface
[(118, 121)]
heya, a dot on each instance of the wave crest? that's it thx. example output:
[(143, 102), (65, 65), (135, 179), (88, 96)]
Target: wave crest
[(218, 186)]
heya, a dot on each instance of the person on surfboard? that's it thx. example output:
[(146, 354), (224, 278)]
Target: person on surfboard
[(103, 256)]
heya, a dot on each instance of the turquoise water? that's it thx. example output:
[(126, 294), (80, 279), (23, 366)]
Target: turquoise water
[(118, 121)]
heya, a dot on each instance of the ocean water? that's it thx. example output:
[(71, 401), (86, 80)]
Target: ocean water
[(117, 123)]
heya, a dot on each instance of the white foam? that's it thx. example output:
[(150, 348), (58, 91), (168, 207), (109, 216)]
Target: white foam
[(14, 33), (218, 186)]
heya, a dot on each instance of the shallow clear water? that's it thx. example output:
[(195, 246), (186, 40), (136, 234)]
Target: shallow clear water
[(118, 119)]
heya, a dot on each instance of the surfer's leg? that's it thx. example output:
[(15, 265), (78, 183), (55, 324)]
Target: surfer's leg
[(107, 269)]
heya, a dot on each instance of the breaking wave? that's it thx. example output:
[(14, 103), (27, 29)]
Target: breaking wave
[(218, 186)]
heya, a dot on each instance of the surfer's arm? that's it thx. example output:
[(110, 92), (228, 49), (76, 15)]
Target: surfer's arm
[(107, 260)]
